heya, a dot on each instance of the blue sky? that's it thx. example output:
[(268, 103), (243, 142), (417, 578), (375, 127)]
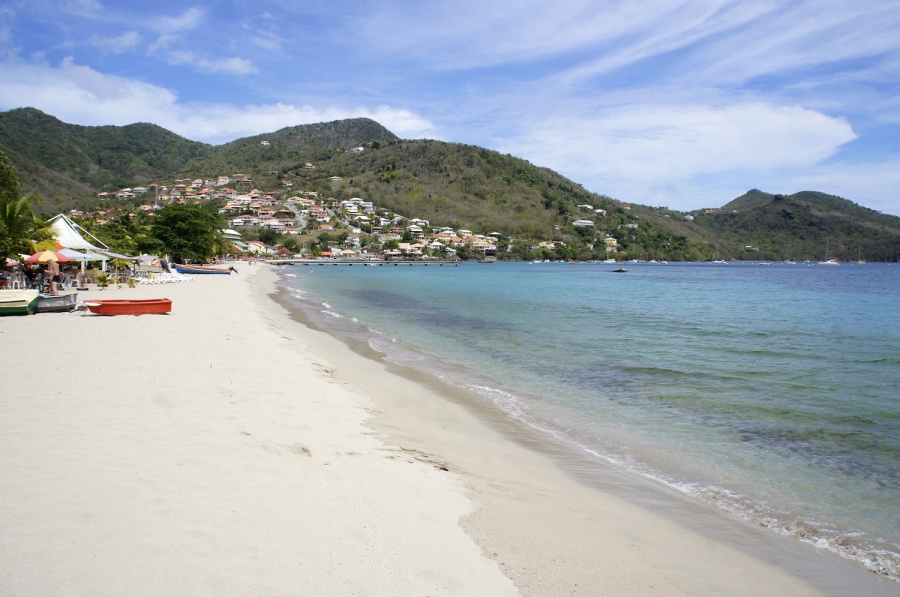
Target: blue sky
[(677, 103)]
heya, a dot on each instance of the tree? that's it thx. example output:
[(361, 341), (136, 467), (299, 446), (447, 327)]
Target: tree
[(188, 231), (20, 229), (291, 245), (130, 234), (268, 235), (9, 180)]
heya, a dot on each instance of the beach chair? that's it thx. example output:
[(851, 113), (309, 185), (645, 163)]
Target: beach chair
[(16, 281), (179, 277), (68, 281)]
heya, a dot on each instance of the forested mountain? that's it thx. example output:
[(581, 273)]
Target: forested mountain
[(59, 160), (801, 227), (449, 184)]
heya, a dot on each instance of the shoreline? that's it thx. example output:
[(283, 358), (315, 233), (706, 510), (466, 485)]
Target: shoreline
[(226, 448), (582, 480)]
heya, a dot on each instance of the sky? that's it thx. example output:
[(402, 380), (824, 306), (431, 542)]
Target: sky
[(682, 104)]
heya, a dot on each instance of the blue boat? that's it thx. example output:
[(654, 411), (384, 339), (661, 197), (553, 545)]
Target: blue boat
[(202, 269)]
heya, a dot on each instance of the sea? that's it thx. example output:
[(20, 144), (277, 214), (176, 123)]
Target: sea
[(769, 391)]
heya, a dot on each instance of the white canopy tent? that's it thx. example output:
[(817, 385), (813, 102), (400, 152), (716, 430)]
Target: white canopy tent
[(68, 235), (85, 256)]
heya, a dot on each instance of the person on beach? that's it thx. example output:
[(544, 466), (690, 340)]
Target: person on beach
[(53, 273)]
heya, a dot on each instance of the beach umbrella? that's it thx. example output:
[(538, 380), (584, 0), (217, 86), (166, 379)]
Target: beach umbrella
[(45, 256)]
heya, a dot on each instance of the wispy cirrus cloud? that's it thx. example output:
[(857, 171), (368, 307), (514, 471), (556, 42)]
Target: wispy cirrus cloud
[(117, 44), (233, 65), (190, 19)]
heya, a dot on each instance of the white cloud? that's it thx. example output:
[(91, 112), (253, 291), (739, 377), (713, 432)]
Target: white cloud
[(188, 20), (163, 41), (801, 35), (221, 123), (117, 44), (80, 95), (235, 66), (608, 34), (82, 6), (658, 154)]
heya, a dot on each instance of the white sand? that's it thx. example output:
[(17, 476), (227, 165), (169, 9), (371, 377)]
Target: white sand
[(226, 450)]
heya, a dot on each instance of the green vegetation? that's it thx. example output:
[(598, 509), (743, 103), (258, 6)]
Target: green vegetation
[(759, 225), (20, 230), (189, 232), (459, 186)]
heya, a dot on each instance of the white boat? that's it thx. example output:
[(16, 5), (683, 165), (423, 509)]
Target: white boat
[(59, 303), (717, 260), (827, 260), (18, 302)]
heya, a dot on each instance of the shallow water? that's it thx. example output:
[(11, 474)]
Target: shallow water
[(771, 392)]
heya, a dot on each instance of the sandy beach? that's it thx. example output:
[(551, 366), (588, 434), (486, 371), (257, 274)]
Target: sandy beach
[(227, 449)]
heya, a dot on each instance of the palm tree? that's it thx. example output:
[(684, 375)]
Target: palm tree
[(20, 230)]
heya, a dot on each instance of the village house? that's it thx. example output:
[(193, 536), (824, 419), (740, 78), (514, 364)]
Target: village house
[(257, 247), (245, 220)]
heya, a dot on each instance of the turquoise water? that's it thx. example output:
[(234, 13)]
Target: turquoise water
[(772, 392)]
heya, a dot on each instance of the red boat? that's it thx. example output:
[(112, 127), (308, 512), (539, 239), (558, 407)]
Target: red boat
[(130, 306)]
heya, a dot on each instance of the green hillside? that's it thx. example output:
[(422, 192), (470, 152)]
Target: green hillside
[(449, 184), (801, 226), (90, 158)]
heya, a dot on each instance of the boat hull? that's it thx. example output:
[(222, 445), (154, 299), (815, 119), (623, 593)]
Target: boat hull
[(201, 269), (159, 306), (48, 303), (18, 302)]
